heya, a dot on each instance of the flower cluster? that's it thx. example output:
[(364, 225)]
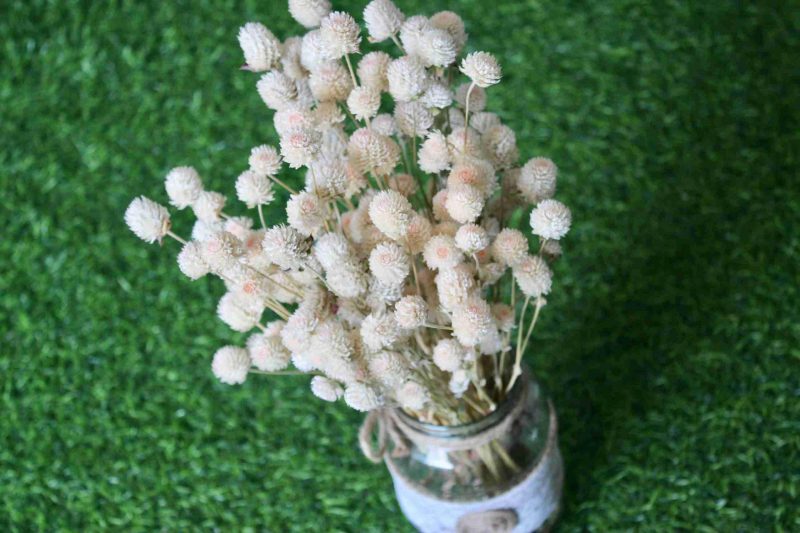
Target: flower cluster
[(394, 280)]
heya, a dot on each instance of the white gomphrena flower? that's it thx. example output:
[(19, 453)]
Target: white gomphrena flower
[(533, 276), (262, 50), (419, 233), (380, 330), (305, 99), (383, 19), (437, 95), (407, 78), (203, 230), (236, 314), (384, 124), (464, 203), (277, 90), (333, 144), (434, 154), (340, 35), (482, 68), (482, 121), (503, 316), (468, 173), (391, 212), (311, 51), (551, 219), (183, 185), (147, 220), (208, 206), (364, 102), (231, 365), (452, 23), (347, 280), (389, 263), (500, 144), (330, 83), (372, 70), (477, 98), (405, 184), (537, 179), (438, 49), (267, 352), (509, 247), (439, 210), (472, 148), (326, 389), (448, 355), (472, 238), (454, 285), (411, 312), (412, 395), (332, 249), (388, 368), (304, 213), (551, 249), (472, 321), (309, 13), (491, 273), (220, 250), (442, 253), (362, 397), (413, 118), (290, 58), (492, 343), (327, 177), (411, 33), (265, 160), (285, 247), (191, 262), (300, 146), (240, 227), (254, 189), (293, 118), (369, 151), (459, 382)]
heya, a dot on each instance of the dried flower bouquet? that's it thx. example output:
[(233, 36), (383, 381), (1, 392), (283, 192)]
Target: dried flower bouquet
[(394, 281)]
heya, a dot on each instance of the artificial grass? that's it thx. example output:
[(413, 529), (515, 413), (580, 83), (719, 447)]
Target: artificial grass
[(670, 343)]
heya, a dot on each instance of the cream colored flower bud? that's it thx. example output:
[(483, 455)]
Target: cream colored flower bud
[(330, 83), (208, 206), (262, 50), (300, 146), (434, 154), (340, 35), (509, 247), (380, 330), (383, 19), (477, 98), (452, 23), (293, 118), (472, 148), (464, 203), (362, 397), (147, 220), (304, 212), (412, 395), (190, 261), (370, 151), (391, 213), (500, 144), (312, 54), (552, 250), (183, 186), (482, 68), (437, 95), (442, 253), (411, 312), (471, 238), (407, 78), (439, 202), (220, 250), (364, 102), (267, 352), (237, 314), (448, 355), (413, 118), (411, 33), (537, 179), (372, 70), (482, 121), (472, 321), (254, 189), (419, 232), (326, 389), (454, 285), (388, 368), (309, 13), (285, 247), (277, 90), (459, 382), (533, 276), (551, 219), (438, 49), (503, 316), (265, 160), (290, 58), (389, 263), (231, 365)]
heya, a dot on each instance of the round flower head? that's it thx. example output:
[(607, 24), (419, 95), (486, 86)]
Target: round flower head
[(220, 250), (434, 154), (472, 148), (236, 314), (413, 118), (533, 276), (328, 177), (231, 365), (201, 231), (419, 232), (509, 247), (264, 160), (551, 249), (411, 33), (326, 389), (454, 285), (330, 83), (452, 23), (491, 273), (208, 206), (439, 202), (388, 368), (384, 124), (262, 50), (437, 95), (346, 280), (369, 151), (305, 99), (190, 261), (407, 78), (267, 352), (240, 227), (442, 253), (311, 51), (471, 173), (464, 203), (304, 213), (364, 102), (482, 121), (332, 249), (391, 213), (482, 68), (340, 35), (438, 49), (254, 189), (183, 186), (293, 118), (285, 247), (503, 316), (300, 146), (309, 13), (500, 144), (472, 238), (477, 98), (551, 219), (389, 263), (362, 397), (412, 395), (411, 312), (537, 179), (372, 70), (472, 321), (383, 19), (333, 142), (456, 117), (380, 330), (277, 90), (290, 58), (147, 220), (448, 355), (405, 184), (459, 382)]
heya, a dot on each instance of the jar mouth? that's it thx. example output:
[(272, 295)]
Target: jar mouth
[(469, 428)]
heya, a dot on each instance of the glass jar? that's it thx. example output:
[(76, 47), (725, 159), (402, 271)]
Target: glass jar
[(506, 464)]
